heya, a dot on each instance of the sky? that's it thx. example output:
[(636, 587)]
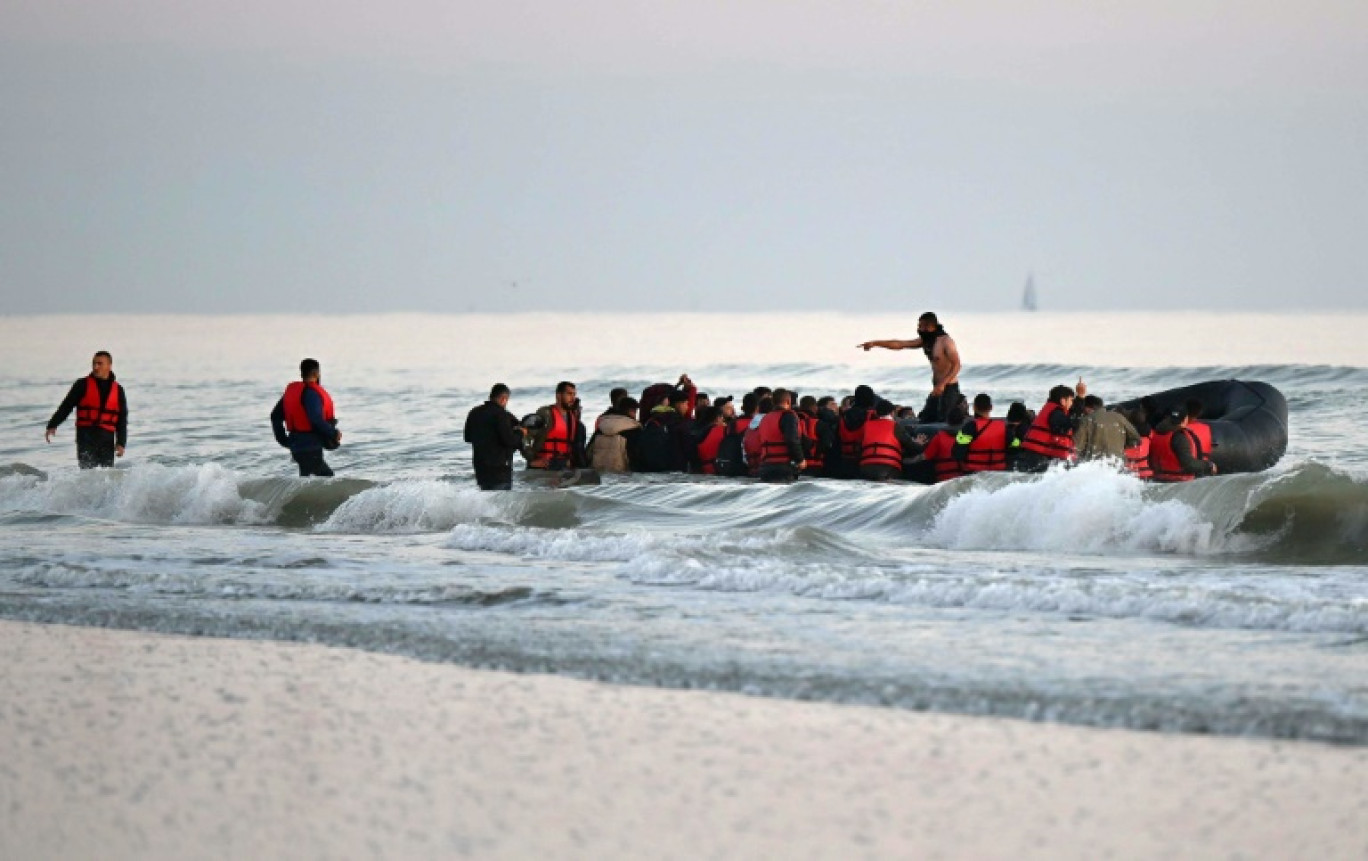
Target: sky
[(750, 155)]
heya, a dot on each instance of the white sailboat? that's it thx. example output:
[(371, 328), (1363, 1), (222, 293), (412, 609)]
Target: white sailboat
[(1028, 298)]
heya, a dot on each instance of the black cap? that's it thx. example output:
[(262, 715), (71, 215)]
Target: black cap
[(678, 395)]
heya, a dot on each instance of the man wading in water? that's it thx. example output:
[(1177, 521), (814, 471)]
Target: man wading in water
[(940, 351)]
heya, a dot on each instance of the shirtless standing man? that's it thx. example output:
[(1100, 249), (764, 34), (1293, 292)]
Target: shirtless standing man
[(941, 352)]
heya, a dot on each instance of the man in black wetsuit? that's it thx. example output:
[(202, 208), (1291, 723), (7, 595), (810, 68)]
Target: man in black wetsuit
[(495, 435), (101, 414)]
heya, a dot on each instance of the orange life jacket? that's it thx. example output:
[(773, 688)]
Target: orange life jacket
[(708, 446), (560, 439), (939, 453), (880, 446), (807, 430), (987, 446), (296, 419), (773, 447), (1040, 440), (852, 441), (1163, 461), (91, 413), (1138, 459), (1202, 431)]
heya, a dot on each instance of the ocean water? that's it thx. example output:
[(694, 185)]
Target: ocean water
[(1235, 605)]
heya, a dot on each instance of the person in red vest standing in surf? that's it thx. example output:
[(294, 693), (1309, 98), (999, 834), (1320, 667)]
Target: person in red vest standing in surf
[(304, 421), (101, 414)]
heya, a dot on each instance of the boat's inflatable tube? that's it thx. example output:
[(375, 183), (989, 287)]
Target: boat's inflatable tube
[(1248, 421)]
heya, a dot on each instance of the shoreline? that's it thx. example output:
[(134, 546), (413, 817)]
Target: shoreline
[(122, 744)]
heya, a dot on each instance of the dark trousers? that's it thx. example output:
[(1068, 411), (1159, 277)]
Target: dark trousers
[(938, 407), (880, 472), (94, 447), (777, 473), (311, 463), (494, 479)]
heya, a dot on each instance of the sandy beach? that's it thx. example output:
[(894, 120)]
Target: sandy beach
[(120, 744)]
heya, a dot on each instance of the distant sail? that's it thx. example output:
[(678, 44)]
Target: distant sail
[(1028, 298)]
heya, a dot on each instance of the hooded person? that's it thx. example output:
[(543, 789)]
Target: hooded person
[(617, 438)]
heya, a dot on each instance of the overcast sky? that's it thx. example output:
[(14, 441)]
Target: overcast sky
[(273, 155)]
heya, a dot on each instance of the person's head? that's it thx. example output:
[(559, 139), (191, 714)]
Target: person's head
[(679, 401), (958, 413), (309, 370), (726, 408), (708, 415), (702, 399), (983, 405), (808, 404), (883, 409), (616, 395), (783, 399), (1092, 403), (1178, 417), (1016, 413), (928, 323), (499, 394), (766, 405), (750, 402), (566, 394), (627, 406), (864, 398), (1063, 396), (1194, 409), (101, 364), (847, 402), (763, 391)]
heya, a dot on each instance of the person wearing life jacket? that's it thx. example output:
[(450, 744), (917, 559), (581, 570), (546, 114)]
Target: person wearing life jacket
[(944, 357), (1103, 434), (780, 436), (558, 444), (712, 429), (1050, 438), (1199, 428), (730, 459), (303, 420), (1138, 455), (615, 445), (1174, 450), (884, 444), (846, 452), (982, 442), (495, 436), (751, 441), (101, 414)]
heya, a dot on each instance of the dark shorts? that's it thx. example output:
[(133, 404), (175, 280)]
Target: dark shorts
[(311, 463), (94, 447)]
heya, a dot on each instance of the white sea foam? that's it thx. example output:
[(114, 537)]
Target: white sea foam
[(1091, 509), (147, 493), (411, 506)]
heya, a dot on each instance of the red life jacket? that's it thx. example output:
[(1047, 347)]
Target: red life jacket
[(91, 413), (987, 446), (1138, 459), (1040, 440), (750, 443), (773, 447), (852, 441), (1202, 431), (807, 430), (879, 446), (708, 446), (296, 419), (1163, 461), (560, 439), (939, 453)]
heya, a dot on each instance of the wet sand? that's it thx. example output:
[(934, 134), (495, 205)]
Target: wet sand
[(116, 744)]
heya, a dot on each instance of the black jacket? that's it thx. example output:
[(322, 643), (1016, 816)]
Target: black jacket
[(492, 432), (77, 392)]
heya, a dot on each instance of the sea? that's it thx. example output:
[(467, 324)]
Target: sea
[(1235, 605)]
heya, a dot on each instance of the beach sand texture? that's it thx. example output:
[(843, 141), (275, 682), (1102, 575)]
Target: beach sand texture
[(120, 744)]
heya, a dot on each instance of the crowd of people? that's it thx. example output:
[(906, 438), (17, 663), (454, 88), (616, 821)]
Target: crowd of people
[(775, 435)]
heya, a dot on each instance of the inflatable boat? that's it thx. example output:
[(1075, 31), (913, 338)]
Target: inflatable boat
[(1248, 421)]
